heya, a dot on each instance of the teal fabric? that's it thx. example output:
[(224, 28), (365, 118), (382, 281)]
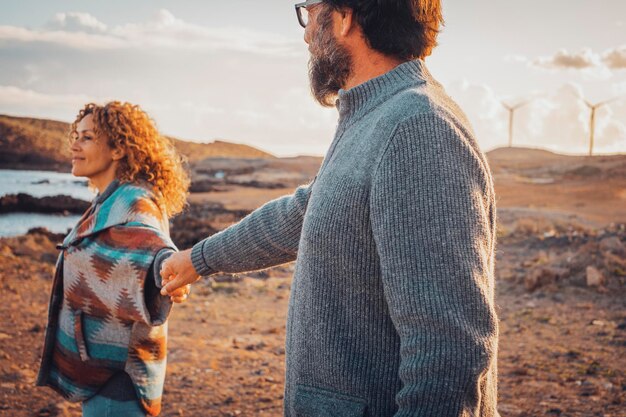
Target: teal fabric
[(99, 406), (103, 316)]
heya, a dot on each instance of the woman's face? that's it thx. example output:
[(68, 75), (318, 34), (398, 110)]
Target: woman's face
[(92, 157)]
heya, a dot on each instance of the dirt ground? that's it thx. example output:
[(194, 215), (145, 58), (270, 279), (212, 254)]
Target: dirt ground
[(562, 345)]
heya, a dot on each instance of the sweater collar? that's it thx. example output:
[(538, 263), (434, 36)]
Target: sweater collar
[(366, 96), (107, 192), (120, 204)]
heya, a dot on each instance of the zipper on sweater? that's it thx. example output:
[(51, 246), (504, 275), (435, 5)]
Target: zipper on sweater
[(338, 135)]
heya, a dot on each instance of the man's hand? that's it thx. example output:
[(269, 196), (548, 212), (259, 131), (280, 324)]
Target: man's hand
[(179, 267)]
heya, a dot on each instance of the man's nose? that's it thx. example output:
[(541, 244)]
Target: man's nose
[(307, 35)]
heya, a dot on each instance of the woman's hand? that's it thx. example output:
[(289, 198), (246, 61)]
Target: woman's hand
[(178, 273), (181, 294)]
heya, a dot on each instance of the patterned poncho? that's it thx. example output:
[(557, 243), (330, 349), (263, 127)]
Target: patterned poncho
[(99, 322)]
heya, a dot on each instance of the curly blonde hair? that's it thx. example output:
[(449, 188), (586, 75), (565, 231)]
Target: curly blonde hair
[(149, 156)]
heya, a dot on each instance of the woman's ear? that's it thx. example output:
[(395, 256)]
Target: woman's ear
[(118, 153)]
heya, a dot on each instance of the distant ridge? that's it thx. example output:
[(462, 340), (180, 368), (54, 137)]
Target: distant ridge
[(539, 162), (521, 153), (30, 143)]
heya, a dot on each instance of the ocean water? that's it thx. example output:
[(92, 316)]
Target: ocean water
[(43, 183), (40, 184), (14, 224)]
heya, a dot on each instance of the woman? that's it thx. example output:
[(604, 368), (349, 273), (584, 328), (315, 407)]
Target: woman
[(105, 344)]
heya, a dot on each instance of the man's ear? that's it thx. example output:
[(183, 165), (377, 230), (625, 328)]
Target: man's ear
[(347, 23)]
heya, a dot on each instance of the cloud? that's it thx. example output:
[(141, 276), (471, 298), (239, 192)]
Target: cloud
[(77, 40), (619, 89), (164, 30), (76, 22), (557, 120), (599, 65), (290, 124), (19, 101), (564, 59), (485, 111), (615, 58)]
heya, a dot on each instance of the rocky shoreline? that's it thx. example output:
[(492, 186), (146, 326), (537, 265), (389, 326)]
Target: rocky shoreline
[(25, 203), (195, 223)]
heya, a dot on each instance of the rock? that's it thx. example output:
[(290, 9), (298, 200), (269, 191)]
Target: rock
[(585, 255), (559, 298), (542, 276), (53, 237), (227, 278), (5, 250), (509, 409), (204, 186), (255, 346), (585, 171), (594, 277), (265, 274), (26, 203), (612, 244), (199, 221), (615, 264)]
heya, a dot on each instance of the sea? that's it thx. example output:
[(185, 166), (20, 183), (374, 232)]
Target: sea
[(40, 184)]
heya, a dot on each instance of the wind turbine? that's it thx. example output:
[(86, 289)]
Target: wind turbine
[(511, 110), (592, 118)]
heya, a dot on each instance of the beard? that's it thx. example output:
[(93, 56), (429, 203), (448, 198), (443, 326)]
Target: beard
[(330, 64)]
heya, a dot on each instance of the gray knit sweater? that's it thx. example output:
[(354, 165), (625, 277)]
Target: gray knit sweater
[(392, 301)]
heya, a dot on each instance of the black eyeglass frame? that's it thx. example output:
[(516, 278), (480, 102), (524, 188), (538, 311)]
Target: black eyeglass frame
[(304, 5)]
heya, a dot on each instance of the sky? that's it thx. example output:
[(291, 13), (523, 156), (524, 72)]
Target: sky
[(237, 70)]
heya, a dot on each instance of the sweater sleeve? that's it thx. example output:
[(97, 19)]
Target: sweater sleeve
[(433, 217), (266, 237)]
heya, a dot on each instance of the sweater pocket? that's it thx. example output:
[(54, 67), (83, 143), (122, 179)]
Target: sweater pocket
[(79, 335), (315, 402)]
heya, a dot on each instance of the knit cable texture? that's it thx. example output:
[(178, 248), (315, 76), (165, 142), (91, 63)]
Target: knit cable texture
[(392, 302)]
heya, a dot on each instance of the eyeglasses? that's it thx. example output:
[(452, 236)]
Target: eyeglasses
[(303, 13)]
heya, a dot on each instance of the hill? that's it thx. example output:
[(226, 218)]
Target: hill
[(29, 143), (538, 183)]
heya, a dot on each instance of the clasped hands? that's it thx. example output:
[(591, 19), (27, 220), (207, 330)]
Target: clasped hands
[(177, 275)]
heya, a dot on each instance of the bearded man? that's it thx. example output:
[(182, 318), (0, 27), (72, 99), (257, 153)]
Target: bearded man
[(391, 310)]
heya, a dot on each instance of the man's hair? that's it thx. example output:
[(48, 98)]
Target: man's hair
[(404, 29)]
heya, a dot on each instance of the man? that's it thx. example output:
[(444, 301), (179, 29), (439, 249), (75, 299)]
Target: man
[(392, 301)]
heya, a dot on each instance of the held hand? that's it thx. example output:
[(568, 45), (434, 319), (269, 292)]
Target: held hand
[(180, 295), (180, 267)]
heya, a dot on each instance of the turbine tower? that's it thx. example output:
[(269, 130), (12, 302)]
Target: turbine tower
[(592, 118), (511, 110)]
